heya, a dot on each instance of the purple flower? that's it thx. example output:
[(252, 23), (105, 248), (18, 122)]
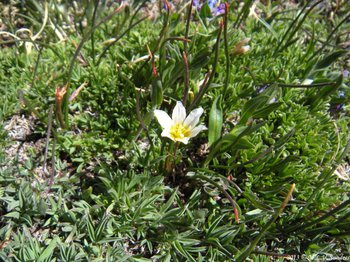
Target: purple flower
[(218, 10), (212, 4), (215, 7), (198, 4)]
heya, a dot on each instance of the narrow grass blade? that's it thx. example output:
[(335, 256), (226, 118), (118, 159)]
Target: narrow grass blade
[(244, 255)]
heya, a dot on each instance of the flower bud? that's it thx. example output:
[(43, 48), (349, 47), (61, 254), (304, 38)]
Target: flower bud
[(242, 47)]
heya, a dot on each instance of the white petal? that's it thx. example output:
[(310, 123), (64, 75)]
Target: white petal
[(193, 118), (197, 129), (163, 119), (166, 133), (179, 113), (183, 140)]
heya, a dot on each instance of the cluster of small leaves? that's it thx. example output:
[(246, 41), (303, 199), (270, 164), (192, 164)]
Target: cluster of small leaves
[(110, 199)]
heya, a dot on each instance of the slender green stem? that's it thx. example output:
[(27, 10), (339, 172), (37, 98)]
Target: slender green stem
[(151, 146), (242, 257), (244, 13), (186, 78), (299, 25), (330, 37), (161, 162), (184, 57), (173, 163), (60, 117), (160, 43), (53, 171), (73, 61), (307, 86), (92, 33), (118, 38), (228, 63), (168, 162), (139, 7), (326, 177), (239, 190), (291, 26), (37, 65), (254, 202), (330, 213), (188, 25), (217, 185), (205, 81), (48, 134), (85, 38), (329, 227), (138, 111), (202, 91), (164, 28)]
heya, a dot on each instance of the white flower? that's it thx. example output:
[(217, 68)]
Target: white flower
[(179, 127)]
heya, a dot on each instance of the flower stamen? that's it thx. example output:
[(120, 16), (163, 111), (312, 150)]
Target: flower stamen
[(179, 131)]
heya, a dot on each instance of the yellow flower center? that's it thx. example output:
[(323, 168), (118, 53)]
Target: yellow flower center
[(179, 131)]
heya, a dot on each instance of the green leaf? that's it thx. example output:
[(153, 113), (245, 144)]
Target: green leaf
[(256, 202), (157, 92), (252, 106), (254, 212), (233, 140), (326, 91), (200, 60), (91, 229), (243, 143), (169, 203), (107, 183), (179, 248), (329, 59), (284, 139), (265, 111), (268, 27), (214, 225), (205, 12), (48, 250), (21, 198), (215, 121), (14, 214), (101, 227)]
